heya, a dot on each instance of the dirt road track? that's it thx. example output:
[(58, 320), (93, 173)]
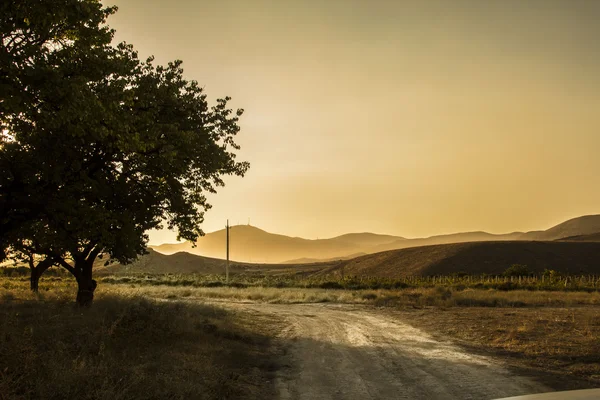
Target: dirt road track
[(347, 352)]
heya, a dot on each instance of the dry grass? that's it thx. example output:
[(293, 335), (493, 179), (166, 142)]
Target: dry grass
[(420, 297), (254, 294), (409, 297), (127, 347), (561, 341), (444, 297)]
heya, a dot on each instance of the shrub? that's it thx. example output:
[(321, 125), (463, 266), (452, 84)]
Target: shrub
[(400, 285), (550, 273), (330, 285), (517, 270)]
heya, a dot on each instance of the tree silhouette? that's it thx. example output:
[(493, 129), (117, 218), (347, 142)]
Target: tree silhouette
[(97, 146)]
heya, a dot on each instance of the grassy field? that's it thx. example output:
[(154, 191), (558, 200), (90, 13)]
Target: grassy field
[(413, 292), (561, 343), (48, 348), (128, 347), (589, 283), (551, 281)]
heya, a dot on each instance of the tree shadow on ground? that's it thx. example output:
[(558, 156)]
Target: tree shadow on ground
[(131, 348)]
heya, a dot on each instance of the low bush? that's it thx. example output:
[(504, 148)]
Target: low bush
[(331, 285), (518, 270)]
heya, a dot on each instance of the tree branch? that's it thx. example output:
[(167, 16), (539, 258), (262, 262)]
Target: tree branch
[(66, 266)]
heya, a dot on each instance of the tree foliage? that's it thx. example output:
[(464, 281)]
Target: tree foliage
[(97, 146)]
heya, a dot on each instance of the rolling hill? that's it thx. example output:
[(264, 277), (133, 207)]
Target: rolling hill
[(316, 260), (186, 263), (585, 225), (474, 258), (594, 237), (251, 244), (575, 257), (445, 239)]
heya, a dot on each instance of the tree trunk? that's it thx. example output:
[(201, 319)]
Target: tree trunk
[(85, 292), (34, 282), (36, 273), (86, 285)]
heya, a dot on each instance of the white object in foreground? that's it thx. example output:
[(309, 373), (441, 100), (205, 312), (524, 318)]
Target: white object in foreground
[(586, 394)]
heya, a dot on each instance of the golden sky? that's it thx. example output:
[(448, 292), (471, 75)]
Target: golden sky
[(411, 118)]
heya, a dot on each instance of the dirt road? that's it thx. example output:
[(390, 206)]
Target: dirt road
[(347, 352)]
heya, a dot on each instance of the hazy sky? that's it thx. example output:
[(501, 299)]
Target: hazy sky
[(404, 117)]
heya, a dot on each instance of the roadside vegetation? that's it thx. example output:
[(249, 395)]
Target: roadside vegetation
[(550, 280), (550, 289), (129, 347), (507, 290), (558, 344)]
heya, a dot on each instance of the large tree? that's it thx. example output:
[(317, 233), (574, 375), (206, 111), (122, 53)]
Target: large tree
[(99, 147), (43, 58)]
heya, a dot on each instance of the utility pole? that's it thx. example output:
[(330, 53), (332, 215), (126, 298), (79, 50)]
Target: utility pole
[(227, 262)]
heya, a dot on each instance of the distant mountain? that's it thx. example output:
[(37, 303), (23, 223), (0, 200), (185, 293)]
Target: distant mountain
[(186, 263), (320, 260), (443, 259), (177, 263), (367, 239), (586, 225), (251, 244), (445, 239)]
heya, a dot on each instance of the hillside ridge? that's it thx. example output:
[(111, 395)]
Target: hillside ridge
[(252, 244), (475, 258)]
